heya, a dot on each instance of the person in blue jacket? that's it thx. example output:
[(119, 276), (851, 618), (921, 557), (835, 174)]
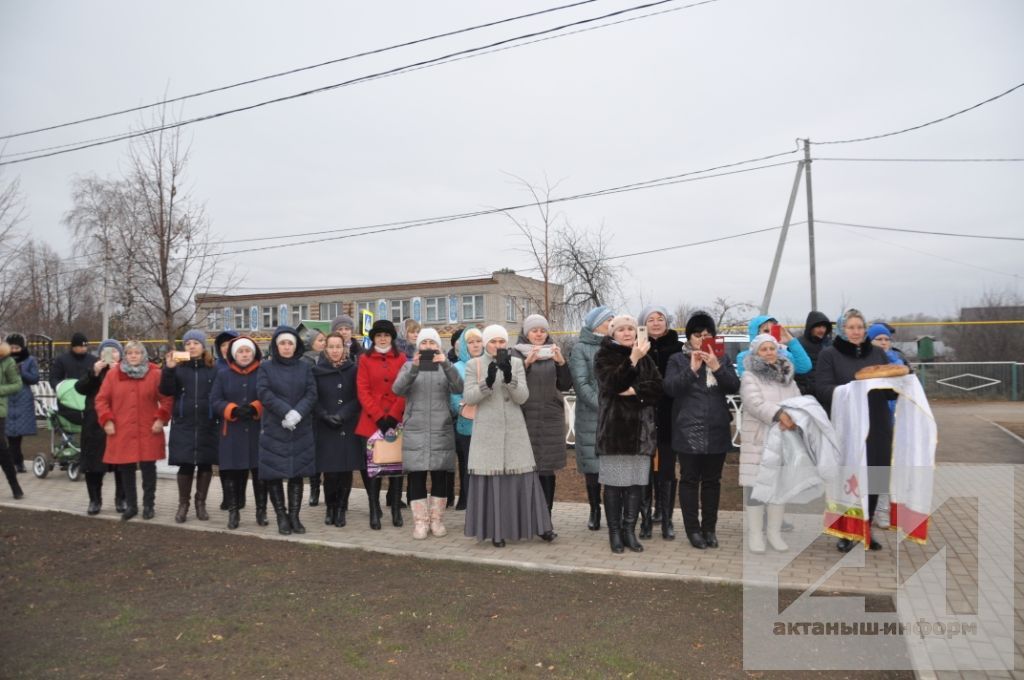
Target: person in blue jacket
[(789, 348), (469, 345)]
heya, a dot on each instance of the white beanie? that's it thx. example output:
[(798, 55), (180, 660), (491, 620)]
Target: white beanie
[(620, 321), (240, 343), (534, 321), (761, 339), (494, 331), (428, 334), (286, 336)]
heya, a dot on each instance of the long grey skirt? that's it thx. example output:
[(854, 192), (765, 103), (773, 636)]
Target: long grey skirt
[(506, 507)]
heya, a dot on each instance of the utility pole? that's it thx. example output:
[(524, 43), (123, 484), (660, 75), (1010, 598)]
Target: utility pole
[(810, 223), (782, 239), (106, 290)]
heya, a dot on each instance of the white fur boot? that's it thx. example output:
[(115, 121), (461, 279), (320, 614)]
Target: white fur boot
[(882, 515), (420, 519), (775, 513), (755, 533)]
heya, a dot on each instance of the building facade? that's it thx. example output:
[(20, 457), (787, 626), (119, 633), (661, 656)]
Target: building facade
[(504, 298)]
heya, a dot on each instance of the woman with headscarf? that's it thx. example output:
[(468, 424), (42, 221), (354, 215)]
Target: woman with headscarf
[(10, 383), (382, 408), (193, 441), (133, 414), (94, 439), (427, 382), (339, 450), (236, 401), (506, 501), (21, 406), (469, 345), (701, 436), (581, 365), (664, 344), (314, 341), (630, 387), (547, 376), (837, 365), (287, 391)]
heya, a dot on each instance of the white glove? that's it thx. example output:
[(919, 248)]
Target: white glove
[(291, 419)]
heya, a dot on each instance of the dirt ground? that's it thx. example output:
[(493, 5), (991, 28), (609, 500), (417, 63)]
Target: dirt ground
[(88, 598)]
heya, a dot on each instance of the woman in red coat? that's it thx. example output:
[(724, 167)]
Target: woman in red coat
[(133, 414), (382, 409)]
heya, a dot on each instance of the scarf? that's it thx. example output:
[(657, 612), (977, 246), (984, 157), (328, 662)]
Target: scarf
[(135, 372)]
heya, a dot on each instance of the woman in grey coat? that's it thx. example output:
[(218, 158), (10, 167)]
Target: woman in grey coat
[(547, 376), (505, 497), (427, 382), (581, 365)]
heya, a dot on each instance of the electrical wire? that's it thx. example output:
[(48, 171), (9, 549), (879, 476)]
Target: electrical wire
[(926, 160), (293, 71), (78, 146), (923, 125), (920, 231)]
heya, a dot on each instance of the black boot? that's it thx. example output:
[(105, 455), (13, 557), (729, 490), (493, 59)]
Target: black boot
[(259, 494), (630, 513), (119, 504), (646, 521), (373, 495), (230, 486), (667, 494), (395, 500), (223, 490), (314, 491), (203, 479), (451, 490), (613, 515), (295, 504), (547, 485), (343, 493), (658, 500), (148, 490), (94, 485), (275, 490), (184, 497), (240, 488), (131, 499), (594, 498)]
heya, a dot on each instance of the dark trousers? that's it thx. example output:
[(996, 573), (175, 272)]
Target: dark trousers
[(700, 487), (418, 484), (16, 455), (6, 461), (462, 453), (131, 497), (666, 464), (334, 482), (879, 447)]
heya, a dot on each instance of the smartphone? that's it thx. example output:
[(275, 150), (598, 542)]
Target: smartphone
[(501, 356), (180, 356), (776, 331), (641, 335), (715, 345), (545, 352), (107, 355), (427, 360)]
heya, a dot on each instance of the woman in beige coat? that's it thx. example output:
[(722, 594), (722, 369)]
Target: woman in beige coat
[(767, 381)]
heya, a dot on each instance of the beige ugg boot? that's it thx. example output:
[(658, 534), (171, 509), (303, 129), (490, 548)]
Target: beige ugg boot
[(755, 533), (775, 513), (420, 519), (437, 506)]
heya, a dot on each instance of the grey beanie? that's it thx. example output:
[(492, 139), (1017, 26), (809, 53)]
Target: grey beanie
[(534, 321), (342, 321)]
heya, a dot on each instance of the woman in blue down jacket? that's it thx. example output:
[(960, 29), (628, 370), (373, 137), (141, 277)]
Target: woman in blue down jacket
[(286, 389)]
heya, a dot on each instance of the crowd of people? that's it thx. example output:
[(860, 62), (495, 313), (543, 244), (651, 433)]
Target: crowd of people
[(488, 413)]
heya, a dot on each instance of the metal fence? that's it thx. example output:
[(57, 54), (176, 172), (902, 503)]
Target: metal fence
[(995, 380)]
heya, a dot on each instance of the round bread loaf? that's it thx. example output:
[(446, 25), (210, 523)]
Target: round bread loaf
[(881, 371)]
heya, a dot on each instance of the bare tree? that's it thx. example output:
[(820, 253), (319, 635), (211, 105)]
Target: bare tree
[(540, 237), (990, 342), (728, 314), (53, 296), (583, 264), (12, 212)]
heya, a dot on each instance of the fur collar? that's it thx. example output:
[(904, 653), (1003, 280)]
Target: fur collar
[(780, 372), (608, 343), (844, 346)]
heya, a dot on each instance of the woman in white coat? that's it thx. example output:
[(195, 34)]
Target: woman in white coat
[(767, 381)]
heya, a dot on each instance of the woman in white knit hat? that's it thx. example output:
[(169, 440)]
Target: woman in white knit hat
[(505, 498), (547, 376)]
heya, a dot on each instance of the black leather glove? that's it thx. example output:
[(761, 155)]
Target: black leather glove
[(506, 372), (492, 373), (386, 423), (333, 420), (244, 412)]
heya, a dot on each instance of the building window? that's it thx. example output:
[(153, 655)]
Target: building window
[(241, 318), (400, 310), (436, 309), (510, 308), (270, 317), (365, 305), (329, 310), (299, 313), (472, 307), (213, 319)]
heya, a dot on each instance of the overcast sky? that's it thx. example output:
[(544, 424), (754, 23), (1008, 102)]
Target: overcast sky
[(691, 89)]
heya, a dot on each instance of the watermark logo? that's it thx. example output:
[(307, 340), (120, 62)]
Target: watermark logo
[(937, 596)]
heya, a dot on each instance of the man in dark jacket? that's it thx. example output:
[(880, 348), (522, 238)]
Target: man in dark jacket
[(73, 364), (817, 336)]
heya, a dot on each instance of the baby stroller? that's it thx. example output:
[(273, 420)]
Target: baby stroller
[(65, 428)]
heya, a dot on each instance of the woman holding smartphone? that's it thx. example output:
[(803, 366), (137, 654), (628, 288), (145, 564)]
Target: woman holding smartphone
[(94, 439), (193, 440), (506, 501), (630, 387), (547, 376), (427, 382), (701, 436)]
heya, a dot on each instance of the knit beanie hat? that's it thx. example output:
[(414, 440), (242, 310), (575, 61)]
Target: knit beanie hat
[(79, 340), (879, 329), (494, 331), (428, 334), (621, 321), (534, 321), (286, 336), (651, 309), (700, 321), (195, 334), (111, 342), (342, 321), (16, 339), (242, 342), (597, 316), (760, 340)]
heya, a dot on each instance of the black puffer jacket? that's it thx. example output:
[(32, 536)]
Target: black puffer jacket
[(71, 366), (338, 448), (813, 347), (284, 385), (839, 363), (625, 425), (700, 413), (661, 351), (193, 439)]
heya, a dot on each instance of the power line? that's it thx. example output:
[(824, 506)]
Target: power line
[(923, 125), (926, 160), (300, 69), (78, 146), (921, 231)]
